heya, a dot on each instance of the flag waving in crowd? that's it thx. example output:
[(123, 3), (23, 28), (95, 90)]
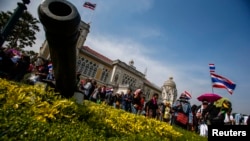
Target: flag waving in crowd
[(187, 94), (219, 81), (212, 68), (89, 5), (222, 82)]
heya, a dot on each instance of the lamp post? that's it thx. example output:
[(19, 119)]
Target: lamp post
[(12, 21)]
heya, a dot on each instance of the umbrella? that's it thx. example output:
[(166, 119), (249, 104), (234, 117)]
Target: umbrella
[(210, 97), (219, 102), (137, 91)]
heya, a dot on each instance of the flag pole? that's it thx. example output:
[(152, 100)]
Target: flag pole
[(212, 84), (92, 13), (91, 16), (212, 70)]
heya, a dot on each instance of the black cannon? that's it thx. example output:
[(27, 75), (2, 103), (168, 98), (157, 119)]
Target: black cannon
[(61, 21)]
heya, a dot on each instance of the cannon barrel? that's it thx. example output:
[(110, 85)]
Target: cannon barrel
[(60, 20)]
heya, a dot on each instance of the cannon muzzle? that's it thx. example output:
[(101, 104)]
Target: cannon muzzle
[(60, 20)]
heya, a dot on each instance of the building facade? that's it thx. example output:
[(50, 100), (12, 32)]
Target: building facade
[(83, 33), (113, 73)]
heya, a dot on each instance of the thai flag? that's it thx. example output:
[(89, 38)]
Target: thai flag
[(89, 5), (222, 82), (188, 95), (50, 67), (212, 68), (109, 90)]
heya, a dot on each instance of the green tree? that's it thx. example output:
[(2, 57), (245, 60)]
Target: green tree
[(24, 31)]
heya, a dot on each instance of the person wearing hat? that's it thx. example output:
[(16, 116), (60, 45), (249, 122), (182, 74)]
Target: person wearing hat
[(182, 106), (201, 116), (216, 114), (200, 112)]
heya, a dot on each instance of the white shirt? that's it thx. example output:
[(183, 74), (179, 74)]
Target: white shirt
[(228, 118), (245, 120), (203, 130), (87, 87)]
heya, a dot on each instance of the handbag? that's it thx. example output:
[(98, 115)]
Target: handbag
[(182, 118), (117, 103)]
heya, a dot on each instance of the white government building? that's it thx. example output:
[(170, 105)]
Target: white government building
[(114, 73)]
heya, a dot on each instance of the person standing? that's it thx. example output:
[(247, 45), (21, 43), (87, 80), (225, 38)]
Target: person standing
[(103, 93), (127, 100), (95, 94), (167, 114), (248, 120), (141, 109), (229, 119), (182, 105), (237, 118), (152, 106), (201, 116), (50, 75), (136, 103), (87, 88)]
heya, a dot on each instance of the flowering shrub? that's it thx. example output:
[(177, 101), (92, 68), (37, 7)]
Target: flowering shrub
[(128, 123), (35, 113)]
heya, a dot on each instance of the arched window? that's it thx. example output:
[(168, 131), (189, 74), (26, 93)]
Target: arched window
[(94, 72), (82, 67), (86, 69), (116, 78), (127, 79), (105, 74), (90, 69), (106, 77), (147, 93)]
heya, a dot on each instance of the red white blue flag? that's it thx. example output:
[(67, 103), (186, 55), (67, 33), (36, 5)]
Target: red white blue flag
[(212, 68), (222, 82), (109, 90), (188, 95), (89, 5)]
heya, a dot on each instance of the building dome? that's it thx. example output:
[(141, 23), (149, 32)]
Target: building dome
[(170, 83)]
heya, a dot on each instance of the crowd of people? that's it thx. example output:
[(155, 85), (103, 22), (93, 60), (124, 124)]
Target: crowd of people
[(20, 67), (13, 64), (195, 118), (131, 101)]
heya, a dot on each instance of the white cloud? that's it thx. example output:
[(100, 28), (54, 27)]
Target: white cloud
[(158, 71), (145, 32)]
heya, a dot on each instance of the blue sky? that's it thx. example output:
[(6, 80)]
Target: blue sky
[(172, 38)]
